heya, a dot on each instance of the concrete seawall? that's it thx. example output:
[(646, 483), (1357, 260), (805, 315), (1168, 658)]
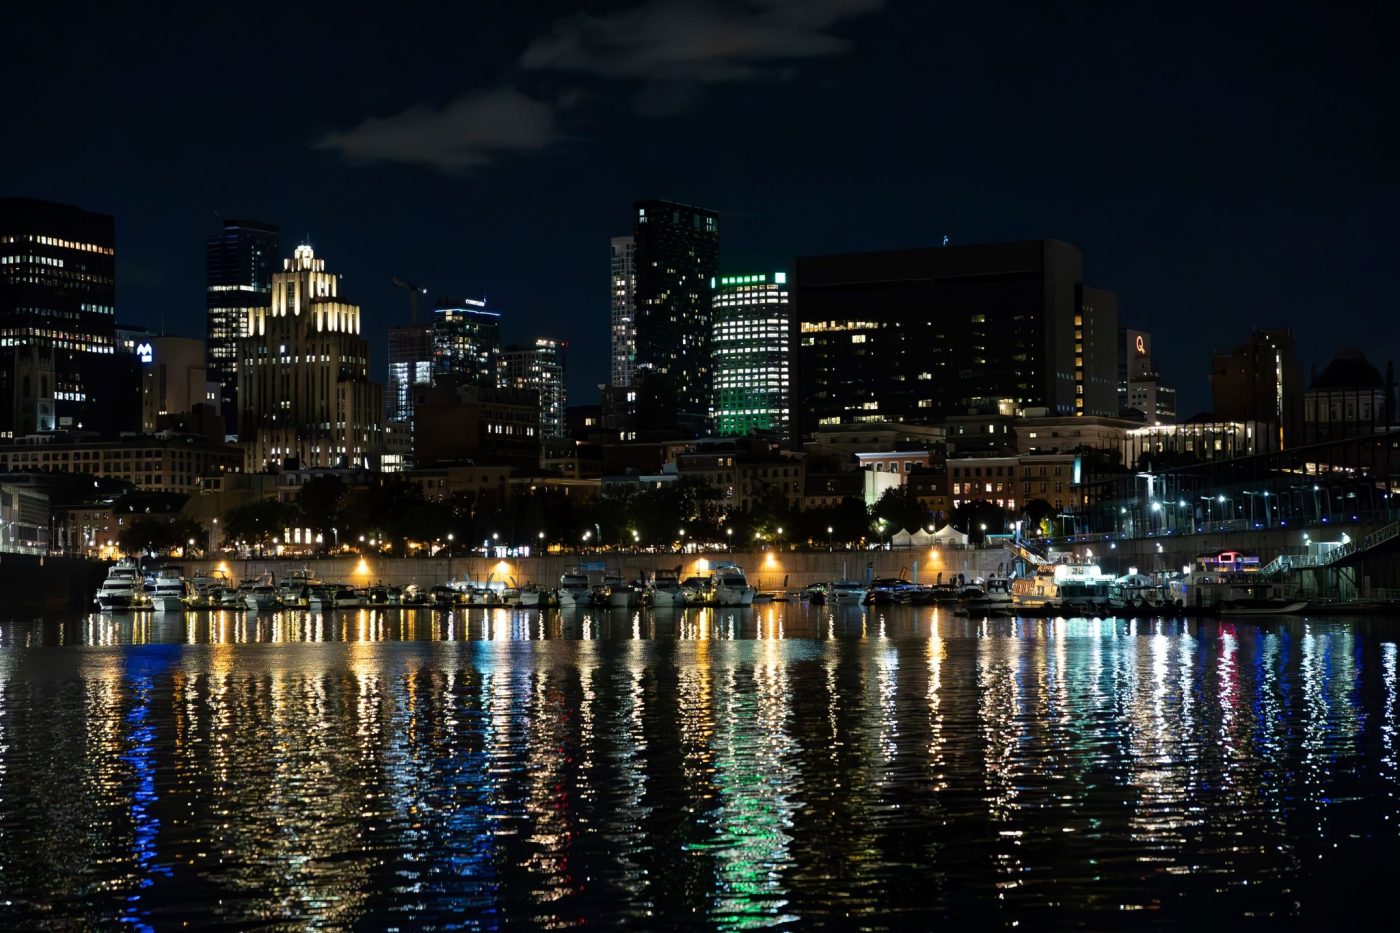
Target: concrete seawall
[(768, 570)]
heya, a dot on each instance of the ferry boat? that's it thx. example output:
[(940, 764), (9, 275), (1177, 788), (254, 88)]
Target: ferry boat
[(575, 592), (124, 589), (1217, 579), (732, 587), (664, 591), (1063, 587), (170, 591)]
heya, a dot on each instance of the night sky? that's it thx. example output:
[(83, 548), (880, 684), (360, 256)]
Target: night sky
[(1220, 166)]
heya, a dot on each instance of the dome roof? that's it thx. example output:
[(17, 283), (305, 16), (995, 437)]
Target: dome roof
[(1348, 370)]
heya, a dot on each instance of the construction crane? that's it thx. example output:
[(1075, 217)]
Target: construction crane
[(413, 292)]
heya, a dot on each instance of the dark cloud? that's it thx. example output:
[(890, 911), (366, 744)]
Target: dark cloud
[(467, 133), (693, 41), (671, 48)]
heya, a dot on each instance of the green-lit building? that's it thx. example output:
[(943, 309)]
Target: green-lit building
[(750, 349)]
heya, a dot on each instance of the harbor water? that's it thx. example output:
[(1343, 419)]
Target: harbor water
[(787, 766)]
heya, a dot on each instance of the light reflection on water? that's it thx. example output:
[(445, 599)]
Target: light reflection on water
[(783, 766)]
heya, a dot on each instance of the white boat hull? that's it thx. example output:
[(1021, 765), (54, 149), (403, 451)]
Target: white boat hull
[(731, 597), (168, 604), (572, 600), (668, 599)]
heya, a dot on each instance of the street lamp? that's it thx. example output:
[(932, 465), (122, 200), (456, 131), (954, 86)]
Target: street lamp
[(729, 537), (829, 545), (983, 526)]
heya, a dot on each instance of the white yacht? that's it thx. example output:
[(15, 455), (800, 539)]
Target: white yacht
[(262, 595), (991, 597), (665, 590), (533, 596), (618, 593), (170, 591), (732, 587), (295, 588), (124, 589), (845, 592), (574, 590), (699, 591)]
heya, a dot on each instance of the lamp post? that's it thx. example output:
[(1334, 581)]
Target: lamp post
[(729, 539), (983, 526), (682, 540), (829, 545)]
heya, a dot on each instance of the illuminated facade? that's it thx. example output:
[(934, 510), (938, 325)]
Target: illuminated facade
[(238, 268), (466, 343), (304, 390), (749, 352), (539, 366), (677, 254), (923, 334), (624, 310), (411, 354), (164, 463), (57, 316)]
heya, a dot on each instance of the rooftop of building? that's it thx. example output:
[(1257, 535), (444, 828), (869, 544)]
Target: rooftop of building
[(1348, 369)]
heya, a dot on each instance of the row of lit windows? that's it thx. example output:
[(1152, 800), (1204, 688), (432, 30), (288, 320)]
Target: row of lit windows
[(55, 241)]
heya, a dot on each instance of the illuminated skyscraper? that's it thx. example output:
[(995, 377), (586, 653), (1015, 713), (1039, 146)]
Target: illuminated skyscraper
[(466, 344), (677, 254), (749, 344), (410, 364), (239, 264), (303, 374), (57, 319), (624, 310), (539, 366)]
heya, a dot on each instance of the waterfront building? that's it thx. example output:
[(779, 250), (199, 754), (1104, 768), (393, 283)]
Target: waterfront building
[(1261, 380), (1348, 399), (238, 267), (750, 343), (466, 343), (163, 462), (24, 520), (467, 423), (624, 310), (676, 255), (58, 362), (539, 366), (304, 391), (749, 473), (1013, 481), (920, 334), (1140, 388)]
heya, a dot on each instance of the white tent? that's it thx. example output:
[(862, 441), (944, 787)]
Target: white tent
[(920, 538), (948, 536)]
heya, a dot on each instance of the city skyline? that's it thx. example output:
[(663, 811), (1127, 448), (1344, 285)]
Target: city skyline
[(1246, 218)]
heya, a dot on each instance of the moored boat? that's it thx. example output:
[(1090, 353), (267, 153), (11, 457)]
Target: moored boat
[(732, 589)]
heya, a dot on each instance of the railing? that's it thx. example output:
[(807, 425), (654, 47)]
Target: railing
[(1364, 543)]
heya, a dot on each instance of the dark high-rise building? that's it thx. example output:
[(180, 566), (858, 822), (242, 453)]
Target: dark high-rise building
[(1140, 387), (920, 334), (624, 310), (676, 253), (466, 343), (1261, 380), (239, 264), (57, 319)]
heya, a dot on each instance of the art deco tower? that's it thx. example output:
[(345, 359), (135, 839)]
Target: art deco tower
[(304, 390)]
